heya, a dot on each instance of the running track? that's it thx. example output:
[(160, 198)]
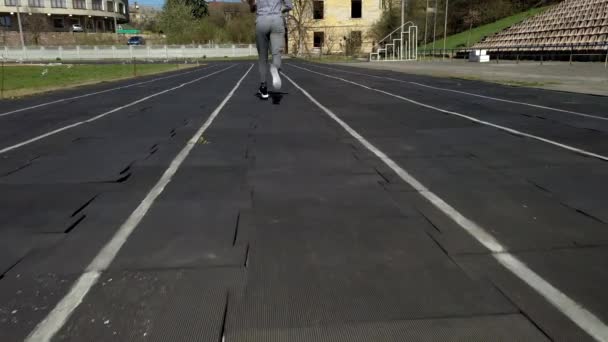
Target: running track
[(361, 206)]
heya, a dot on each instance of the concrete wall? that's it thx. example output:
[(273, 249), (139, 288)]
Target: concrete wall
[(125, 53)]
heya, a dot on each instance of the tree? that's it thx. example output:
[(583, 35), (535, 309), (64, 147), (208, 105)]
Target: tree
[(35, 25), (177, 22), (241, 30), (199, 8), (300, 20), (388, 22), (221, 25), (470, 19), (330, 39), (353, 43)]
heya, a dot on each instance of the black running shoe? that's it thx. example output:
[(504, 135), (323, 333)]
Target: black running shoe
[(263, 91)]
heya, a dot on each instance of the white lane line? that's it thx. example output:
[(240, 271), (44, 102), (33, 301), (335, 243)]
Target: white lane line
[(514, 102), (470, 118), (469, 94), (76, 124), (100, 92), (55, 320), (573, 310)]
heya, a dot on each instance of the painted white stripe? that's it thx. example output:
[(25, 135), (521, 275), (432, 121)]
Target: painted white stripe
[(469, 94), (487, 123), (515, 102), (585, 319), (100, 92), (578, 314), (76, 124), (55, 320)]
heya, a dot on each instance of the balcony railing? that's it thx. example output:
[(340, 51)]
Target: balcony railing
[(36, 3), (79, 4), (58, 4)]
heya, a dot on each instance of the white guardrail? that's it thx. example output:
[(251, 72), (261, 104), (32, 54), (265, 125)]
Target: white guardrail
[(91, 53)]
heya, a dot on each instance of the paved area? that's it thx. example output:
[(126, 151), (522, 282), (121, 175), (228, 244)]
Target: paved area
[(580, 77), (358, 205)]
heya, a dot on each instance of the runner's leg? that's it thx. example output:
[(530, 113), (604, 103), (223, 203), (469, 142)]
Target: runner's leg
[(262, 34), (277, 40)]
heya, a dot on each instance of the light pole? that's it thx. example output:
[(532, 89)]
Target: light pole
[(404, 6), (445, 28), (426, 22), (435, 25), (115, 21), (19, 23)]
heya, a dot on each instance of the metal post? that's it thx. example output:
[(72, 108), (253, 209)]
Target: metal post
[(115, 21), (426, 20), (445, 27), (541, 55), (497, 55), (2, 80), (20, 26), (403, 8), (571, 53), (606, 61), (435, 25)]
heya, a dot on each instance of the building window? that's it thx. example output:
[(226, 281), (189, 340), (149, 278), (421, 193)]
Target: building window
[(355, 11), (36, 3), (121, 8), (318, 39), (110, 6), (79, 4), (96, 4), (356, 39), (5, 21), (317, 9), (58, 4), (58, 23), (10, 2)]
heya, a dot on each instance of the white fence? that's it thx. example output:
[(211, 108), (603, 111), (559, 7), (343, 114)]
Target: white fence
[(93, 53)]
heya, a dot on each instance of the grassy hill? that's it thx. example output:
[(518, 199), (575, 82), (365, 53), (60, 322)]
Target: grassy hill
[(478, 33)]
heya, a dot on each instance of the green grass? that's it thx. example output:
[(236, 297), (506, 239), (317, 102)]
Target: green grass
[(478, 33), (22, 80)]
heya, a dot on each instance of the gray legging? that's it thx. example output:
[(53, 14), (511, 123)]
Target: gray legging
[(269, 30)]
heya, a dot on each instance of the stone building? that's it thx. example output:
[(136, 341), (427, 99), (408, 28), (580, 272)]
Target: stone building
[(334, 26), (61, 15)]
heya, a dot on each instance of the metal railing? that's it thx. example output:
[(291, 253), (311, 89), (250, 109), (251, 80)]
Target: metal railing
[(551, 52), (399, 45)]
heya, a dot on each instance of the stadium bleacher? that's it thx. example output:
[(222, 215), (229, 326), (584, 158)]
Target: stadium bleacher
[(571, 24)]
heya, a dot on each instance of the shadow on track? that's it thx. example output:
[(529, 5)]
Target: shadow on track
[(275, 96)]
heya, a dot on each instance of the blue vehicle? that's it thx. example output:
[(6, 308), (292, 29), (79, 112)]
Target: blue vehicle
[(136, 40)]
